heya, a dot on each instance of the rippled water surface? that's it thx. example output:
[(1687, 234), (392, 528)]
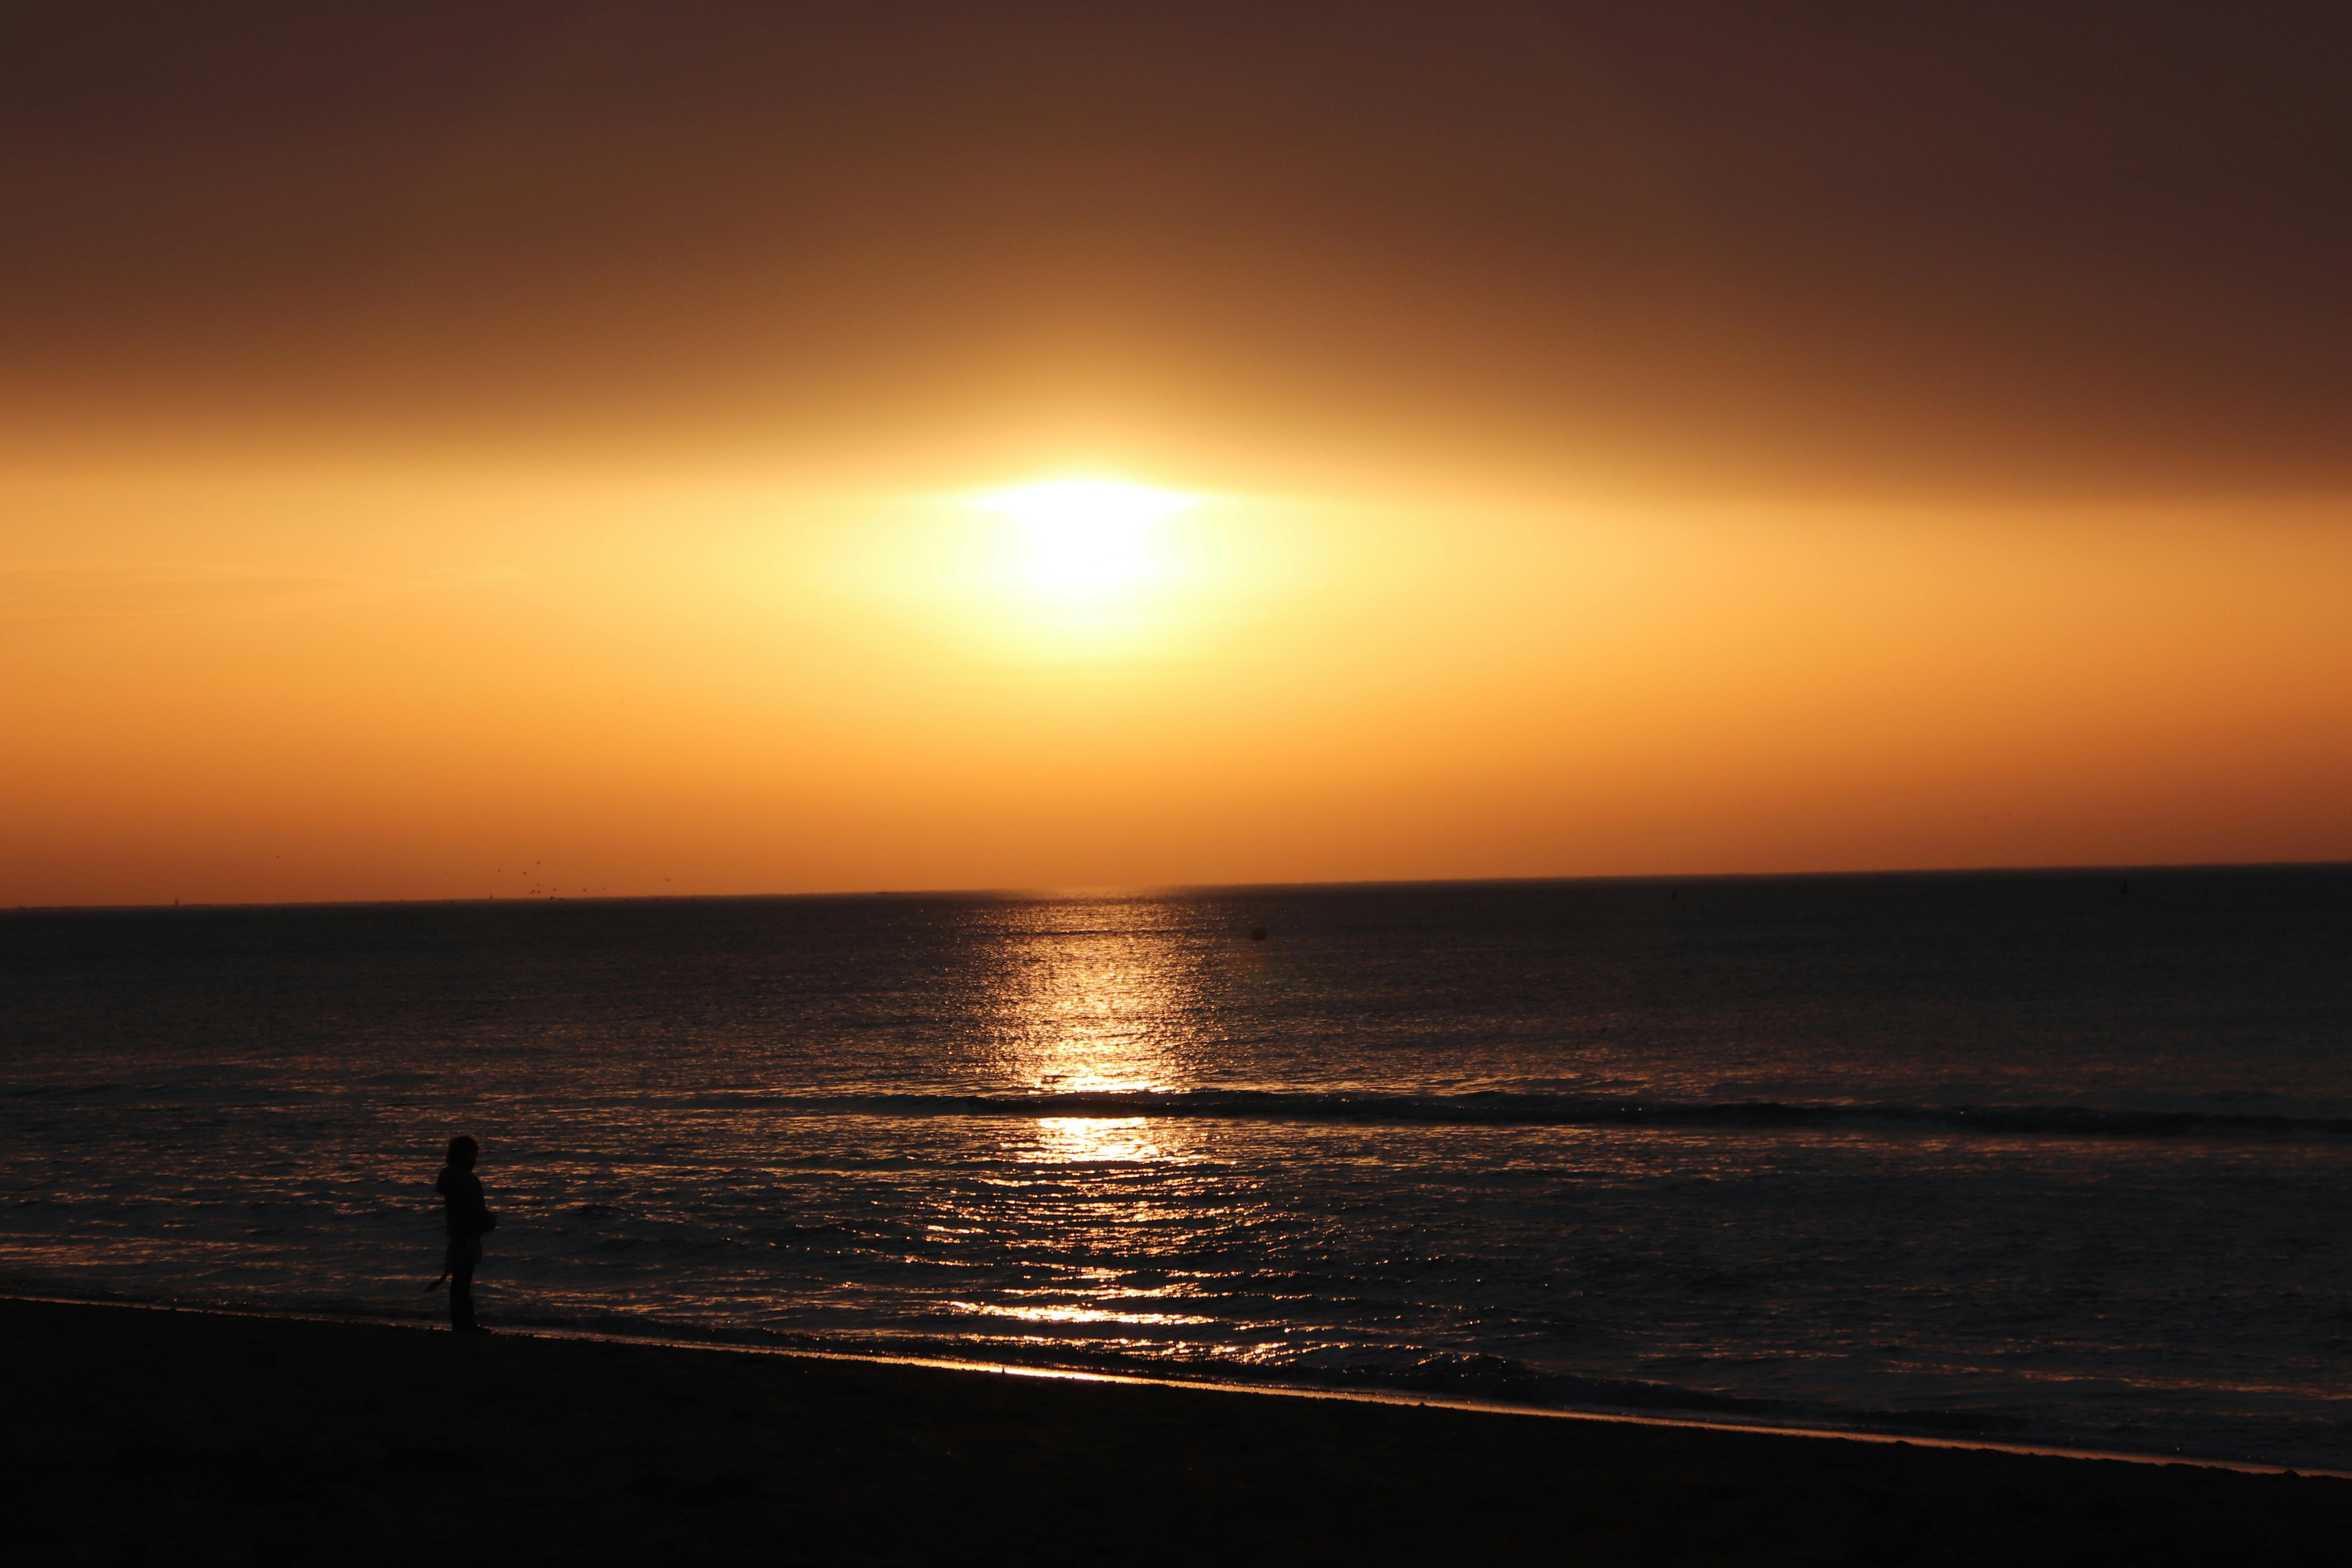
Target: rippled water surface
[(2057, 1157)]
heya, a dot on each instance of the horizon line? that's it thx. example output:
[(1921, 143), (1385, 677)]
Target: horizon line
[(1166, 890)]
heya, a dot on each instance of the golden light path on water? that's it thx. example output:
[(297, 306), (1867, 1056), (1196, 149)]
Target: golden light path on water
[(1096, 997), (1102, 997)]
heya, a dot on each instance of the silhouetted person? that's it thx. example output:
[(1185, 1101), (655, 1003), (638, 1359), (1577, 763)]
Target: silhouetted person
[(468, 1219)]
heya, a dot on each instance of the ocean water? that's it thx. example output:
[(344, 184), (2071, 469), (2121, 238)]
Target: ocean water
[(2048, 1157)]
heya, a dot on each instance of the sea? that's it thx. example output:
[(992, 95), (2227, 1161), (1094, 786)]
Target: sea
[(2051, 1158)]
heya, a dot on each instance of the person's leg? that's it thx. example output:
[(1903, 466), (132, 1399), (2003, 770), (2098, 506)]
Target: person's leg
[(465, 1251)]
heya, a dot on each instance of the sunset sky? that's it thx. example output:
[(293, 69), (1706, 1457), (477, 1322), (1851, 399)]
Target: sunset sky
[(466, 450)]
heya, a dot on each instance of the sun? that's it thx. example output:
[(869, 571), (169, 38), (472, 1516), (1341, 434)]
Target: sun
[(1085, 536)]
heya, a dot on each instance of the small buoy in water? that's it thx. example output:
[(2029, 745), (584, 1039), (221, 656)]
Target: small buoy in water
[(1257, 933)]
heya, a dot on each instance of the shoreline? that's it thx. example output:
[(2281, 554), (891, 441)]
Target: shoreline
[(181, 1436), (1210, 1385)]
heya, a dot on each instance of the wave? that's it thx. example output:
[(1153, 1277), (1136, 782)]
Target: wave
[(1501, 1108), (1444, 1374)]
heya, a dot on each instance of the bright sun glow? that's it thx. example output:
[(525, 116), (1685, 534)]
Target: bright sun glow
[(1086, 535)]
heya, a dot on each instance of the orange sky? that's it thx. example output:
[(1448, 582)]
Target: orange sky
[(452, 453)]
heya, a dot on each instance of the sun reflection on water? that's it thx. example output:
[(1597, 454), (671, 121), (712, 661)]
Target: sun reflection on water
[(1097, 997), (1091, 1001), (1090, 1140), (1076, 1314)]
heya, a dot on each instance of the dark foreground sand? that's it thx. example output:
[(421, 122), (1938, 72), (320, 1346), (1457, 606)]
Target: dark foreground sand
[(178, 1437)]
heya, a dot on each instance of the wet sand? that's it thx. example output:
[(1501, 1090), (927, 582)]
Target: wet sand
[(185, 1438)]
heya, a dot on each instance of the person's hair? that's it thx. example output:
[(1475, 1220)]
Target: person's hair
[(462, 1150)]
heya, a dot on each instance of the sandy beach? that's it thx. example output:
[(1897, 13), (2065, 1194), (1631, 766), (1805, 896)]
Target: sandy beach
[(184, 1437)]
